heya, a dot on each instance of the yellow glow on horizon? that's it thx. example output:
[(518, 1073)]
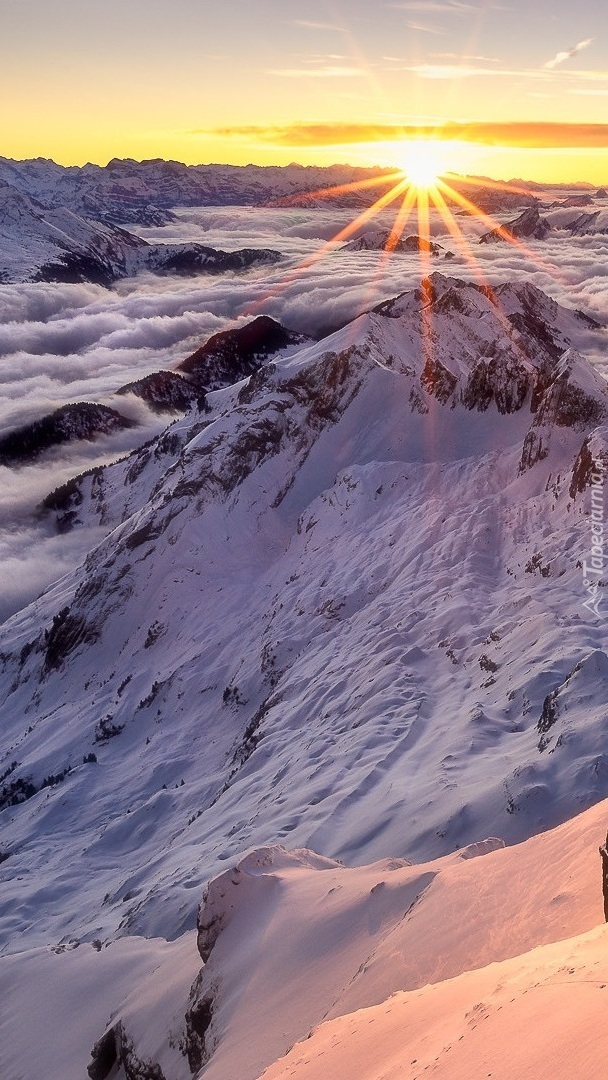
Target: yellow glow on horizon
[(83, 140)]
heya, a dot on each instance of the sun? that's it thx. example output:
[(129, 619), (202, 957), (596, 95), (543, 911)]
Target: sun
[(423, 162)]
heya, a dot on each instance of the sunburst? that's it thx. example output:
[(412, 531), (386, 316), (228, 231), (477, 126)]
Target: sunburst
[(423, 162), (422, 185)]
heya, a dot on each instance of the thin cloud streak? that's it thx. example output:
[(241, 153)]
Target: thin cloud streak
[(561, 57), (308, 24), (331, 72), (539, 135), (436, 7)]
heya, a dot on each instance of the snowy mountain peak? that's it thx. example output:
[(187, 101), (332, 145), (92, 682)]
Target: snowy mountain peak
[(320, 603), (231, 355)]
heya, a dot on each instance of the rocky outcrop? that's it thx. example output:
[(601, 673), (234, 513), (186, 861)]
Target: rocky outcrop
[(232, 355), (83, 420), (499, 379), (528, 226), (165, 391), (381, 240), (591, 463), (199, 1016), (115, 1050), (572, 397)]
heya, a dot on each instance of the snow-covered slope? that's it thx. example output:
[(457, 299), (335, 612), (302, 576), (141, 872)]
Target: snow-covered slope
[(378, 239), (540, 1015), (343, 610), (127, 191), (529, 225), (311, 942), (38, 243), (491, 955)]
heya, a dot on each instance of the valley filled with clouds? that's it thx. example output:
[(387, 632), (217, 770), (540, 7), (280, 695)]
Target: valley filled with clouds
[(62, 343)]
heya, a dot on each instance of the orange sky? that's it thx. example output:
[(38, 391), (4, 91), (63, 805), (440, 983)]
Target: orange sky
[(521, 90)]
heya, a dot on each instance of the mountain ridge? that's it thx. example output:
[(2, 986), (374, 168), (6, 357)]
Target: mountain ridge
[(274, 622), (41, 243)]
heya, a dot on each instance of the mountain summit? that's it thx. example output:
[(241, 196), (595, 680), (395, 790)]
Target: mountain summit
[(341, 609)]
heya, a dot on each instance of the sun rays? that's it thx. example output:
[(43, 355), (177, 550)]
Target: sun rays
[(420, 195), (423, 190)]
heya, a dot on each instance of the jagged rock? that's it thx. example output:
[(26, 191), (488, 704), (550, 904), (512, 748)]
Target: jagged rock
[(499, 379), (529, 225), (592, 461), (104, 1055), (232, 355), (116, 1050), (438, 381), (378, 239), (535, 449), (570, 398), (199, 1016), (165, 391), (66, 633), (218, 903)]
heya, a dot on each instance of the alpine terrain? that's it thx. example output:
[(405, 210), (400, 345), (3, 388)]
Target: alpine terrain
[(340, 653)]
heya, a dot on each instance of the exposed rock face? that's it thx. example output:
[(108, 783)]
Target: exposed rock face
[(104, 1055), (569, 399), (380, 240), (164, 391), (591, 461), (199, 1016), (437, 380), (39, 243), (529, 225), (232, 355), (116, 1050), (66, 633), (67, 424), (218, 903)]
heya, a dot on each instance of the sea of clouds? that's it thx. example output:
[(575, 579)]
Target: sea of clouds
[(65, 343)]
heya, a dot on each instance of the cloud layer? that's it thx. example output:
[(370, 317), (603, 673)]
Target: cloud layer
[(61, 343), (527, 135)]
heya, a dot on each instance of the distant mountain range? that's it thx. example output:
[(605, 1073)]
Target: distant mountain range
[(128, 192), (144, 192), (44, 243), (533, 225)]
